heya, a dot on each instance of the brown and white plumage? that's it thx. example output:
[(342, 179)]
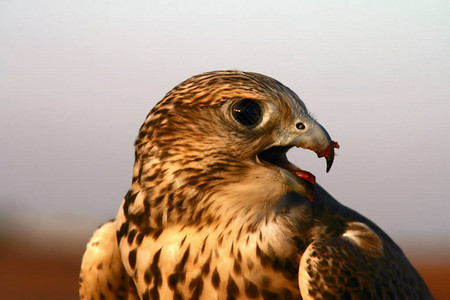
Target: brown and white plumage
[(102, 273), (215, 210)]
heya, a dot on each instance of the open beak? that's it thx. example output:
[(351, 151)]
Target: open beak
[(314, 137)]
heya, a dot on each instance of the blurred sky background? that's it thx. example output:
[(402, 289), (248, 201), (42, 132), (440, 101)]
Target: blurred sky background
[(77, 79)]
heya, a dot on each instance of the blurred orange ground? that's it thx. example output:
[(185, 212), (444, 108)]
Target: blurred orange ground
[(28, 273)]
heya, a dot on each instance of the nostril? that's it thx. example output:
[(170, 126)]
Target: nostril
[(300, 126)]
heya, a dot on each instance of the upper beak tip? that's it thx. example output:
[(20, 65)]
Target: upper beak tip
[(330, 160), (330, 155)]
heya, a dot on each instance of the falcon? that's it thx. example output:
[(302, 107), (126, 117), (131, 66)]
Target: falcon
[(216, 210)]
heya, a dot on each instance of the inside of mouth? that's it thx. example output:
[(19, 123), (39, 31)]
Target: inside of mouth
[(277, 156)]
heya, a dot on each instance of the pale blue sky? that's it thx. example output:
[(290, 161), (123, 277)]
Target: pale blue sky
[(77, 79)]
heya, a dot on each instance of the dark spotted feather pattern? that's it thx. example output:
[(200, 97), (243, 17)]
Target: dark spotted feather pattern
[(216, 211)]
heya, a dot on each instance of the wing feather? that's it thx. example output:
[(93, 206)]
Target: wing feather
[(102, 274), (357, 265)]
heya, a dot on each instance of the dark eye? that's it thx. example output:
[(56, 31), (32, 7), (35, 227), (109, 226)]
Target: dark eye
[(247, 112)]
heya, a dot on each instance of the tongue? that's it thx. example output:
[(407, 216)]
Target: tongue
[(305, 175)]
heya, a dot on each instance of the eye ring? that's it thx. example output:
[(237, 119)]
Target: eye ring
[(247, 112)]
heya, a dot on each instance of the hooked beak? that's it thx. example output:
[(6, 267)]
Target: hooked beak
[(317, 139), (310, 136)]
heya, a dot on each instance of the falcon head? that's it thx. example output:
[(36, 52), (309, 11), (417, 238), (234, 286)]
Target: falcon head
[(227, 132)]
